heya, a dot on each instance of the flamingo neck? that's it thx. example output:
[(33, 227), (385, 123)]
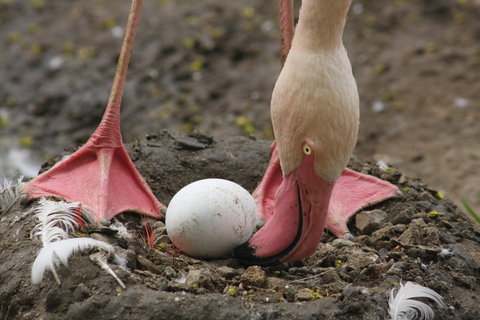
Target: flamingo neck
[(321, 24), (315, 98)]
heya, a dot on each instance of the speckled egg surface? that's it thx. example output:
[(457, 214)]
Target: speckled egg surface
[(209, 218)]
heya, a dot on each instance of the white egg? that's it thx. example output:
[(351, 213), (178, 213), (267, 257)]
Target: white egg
[(209, 218)]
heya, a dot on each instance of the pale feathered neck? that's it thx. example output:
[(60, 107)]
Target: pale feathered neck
[(321, 24), (315, 98)]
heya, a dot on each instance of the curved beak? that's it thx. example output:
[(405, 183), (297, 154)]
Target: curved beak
[(295, 229)]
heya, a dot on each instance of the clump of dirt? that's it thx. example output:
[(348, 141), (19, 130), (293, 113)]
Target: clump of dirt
[(417, 236)]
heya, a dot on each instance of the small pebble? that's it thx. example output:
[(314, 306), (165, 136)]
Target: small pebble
[(170, 273), (199, 278), (305, 295), (369, 221), (227, 272)]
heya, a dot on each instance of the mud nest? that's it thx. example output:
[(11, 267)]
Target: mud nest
[(418, 236)]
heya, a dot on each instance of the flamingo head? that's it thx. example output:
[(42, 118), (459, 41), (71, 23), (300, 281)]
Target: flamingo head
[(315, 117)]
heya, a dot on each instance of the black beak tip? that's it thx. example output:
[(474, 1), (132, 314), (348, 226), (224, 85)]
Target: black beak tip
[(245, 254)]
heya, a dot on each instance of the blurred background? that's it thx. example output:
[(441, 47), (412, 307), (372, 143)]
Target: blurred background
[(211, 66)]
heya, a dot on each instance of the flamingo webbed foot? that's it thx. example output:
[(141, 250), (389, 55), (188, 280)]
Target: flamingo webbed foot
[(353, 192)]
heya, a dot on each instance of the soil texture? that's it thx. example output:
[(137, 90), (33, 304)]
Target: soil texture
[(417, 236)]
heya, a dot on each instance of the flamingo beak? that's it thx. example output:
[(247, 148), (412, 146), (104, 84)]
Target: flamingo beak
[(295, 229)]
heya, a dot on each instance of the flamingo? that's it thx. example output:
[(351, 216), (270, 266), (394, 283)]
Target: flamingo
[(315, 118), (100, 175)]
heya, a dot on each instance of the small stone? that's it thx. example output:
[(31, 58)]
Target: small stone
[(162, 286), (359, 259), (419, 233), (298, 271), (396, 269), (53, 300), (402, 179), (170, 273), (23, 198), (289, 292), (460, 102), (149, 265), (461, 252), (81, 292), (260, 223), (425, 204), (404, 217), (227, 272), (388, 232), (340, 243), (276, 283), (447, 238), (305, 295), (201, 290), (464, 280), (56, 62), (351, 292), (330, 276), (369, 221), (177, 287), (199, 278), (254, 276)]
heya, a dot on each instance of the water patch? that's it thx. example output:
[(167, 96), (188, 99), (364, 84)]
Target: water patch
[(18, 162)]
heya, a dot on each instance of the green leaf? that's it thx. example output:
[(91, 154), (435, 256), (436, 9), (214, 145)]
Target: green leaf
[(475, 216)]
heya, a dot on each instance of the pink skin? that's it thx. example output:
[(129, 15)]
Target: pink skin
[(300, 205), (323, 205), (353, 192), (100, 174)]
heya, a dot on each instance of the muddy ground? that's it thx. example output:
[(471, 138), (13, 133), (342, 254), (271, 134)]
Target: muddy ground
[(211, 66), (419, 238)]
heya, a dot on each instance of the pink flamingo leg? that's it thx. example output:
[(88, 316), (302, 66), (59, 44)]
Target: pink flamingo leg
[(100, 174), (287, 27)]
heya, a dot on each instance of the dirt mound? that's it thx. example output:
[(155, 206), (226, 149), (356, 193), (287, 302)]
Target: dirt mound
[(418, 236)]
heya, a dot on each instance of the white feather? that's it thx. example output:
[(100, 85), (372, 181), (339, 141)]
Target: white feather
[(51, 255), (9, 193), (101, 261), (403, 306), (122, 231), (56, 219)]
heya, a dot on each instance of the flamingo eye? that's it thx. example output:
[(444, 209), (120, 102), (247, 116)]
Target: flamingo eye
[(307, 149)]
